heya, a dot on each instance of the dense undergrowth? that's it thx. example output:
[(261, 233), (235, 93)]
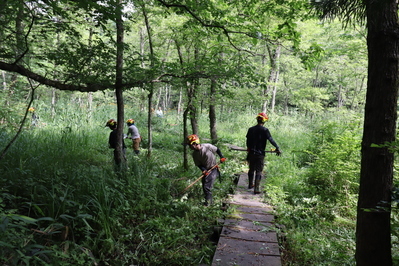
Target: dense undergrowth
[(62, 204)]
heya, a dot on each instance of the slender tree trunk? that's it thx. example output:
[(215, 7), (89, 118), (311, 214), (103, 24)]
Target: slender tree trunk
[(180, 101), (185, 134), (158, 99), (53, 101), (151, 86), (4, 80), (90, 94), (186, 113), (274, 55), (193, 119), (275, 91), (119, 155), (166, 102), (149, 118), (212, 113), (356, 92), (373, 230), (193, 96), (274, 74)]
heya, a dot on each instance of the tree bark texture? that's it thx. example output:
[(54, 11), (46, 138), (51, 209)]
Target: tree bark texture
[(151, 87), (373, 236), (212, 113), (119, 155)]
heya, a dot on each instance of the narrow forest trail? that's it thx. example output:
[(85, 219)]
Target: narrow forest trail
[(248, 236)]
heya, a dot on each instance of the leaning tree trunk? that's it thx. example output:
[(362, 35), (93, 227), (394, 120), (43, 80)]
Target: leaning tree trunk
[(373, 231)]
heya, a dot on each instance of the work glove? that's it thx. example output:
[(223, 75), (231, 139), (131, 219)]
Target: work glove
[(205, 172), (278, 152), (222, 160)]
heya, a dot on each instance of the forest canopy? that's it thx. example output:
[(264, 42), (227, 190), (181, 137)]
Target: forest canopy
[(211, 66)]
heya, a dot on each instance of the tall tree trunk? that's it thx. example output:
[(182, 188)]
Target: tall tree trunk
[(275, 90), (180, 101), (151, 86), (53, 90), (212, 113), (274, 56), (193, 95), (53, 101), (373, 230), (274, 74), (149, 126), (90, 94), (356, 92), (185, 113), (193, 119), (158, 99), (185, 134), (119, 155)]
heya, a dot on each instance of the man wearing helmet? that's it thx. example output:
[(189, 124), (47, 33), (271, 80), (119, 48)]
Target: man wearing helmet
[(135, 135), (204, 157), (257, 137), (113, 137)]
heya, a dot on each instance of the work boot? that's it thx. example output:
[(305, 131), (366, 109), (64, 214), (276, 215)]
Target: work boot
[(208, 200), (250, 181), (257, 184)]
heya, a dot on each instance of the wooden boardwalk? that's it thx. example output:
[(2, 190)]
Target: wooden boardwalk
[(248, 236)]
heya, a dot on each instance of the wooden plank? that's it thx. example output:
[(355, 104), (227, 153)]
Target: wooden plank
[(247, 237), (246, 253)]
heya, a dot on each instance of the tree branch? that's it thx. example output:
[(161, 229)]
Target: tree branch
[(5, 150), (53, 83), (205, 24)]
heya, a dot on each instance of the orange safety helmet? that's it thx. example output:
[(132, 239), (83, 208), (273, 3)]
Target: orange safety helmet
[(130, 121), (193, 139), (263, 117), (111, 123)]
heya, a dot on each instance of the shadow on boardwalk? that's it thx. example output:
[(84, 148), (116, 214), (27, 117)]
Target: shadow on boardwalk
[(248, 236)]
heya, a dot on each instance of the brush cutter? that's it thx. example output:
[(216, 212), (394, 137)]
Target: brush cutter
[(236, 148), (199, 178)]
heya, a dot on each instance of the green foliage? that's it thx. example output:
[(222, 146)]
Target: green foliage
[(62, 203), (310, 99), (314, 190), (335, 171)]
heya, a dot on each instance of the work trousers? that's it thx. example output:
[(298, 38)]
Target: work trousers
[(256, 164), (207, 185)]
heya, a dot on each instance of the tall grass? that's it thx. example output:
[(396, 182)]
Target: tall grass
[(62, 204)]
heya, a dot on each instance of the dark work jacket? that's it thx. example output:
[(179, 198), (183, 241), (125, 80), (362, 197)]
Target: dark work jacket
[(257, 137), (113, 139)]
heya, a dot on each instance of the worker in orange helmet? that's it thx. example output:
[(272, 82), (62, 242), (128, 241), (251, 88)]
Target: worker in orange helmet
[(113, 137), (35, 117), (204, 157), (257, 137), (135, 135)]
